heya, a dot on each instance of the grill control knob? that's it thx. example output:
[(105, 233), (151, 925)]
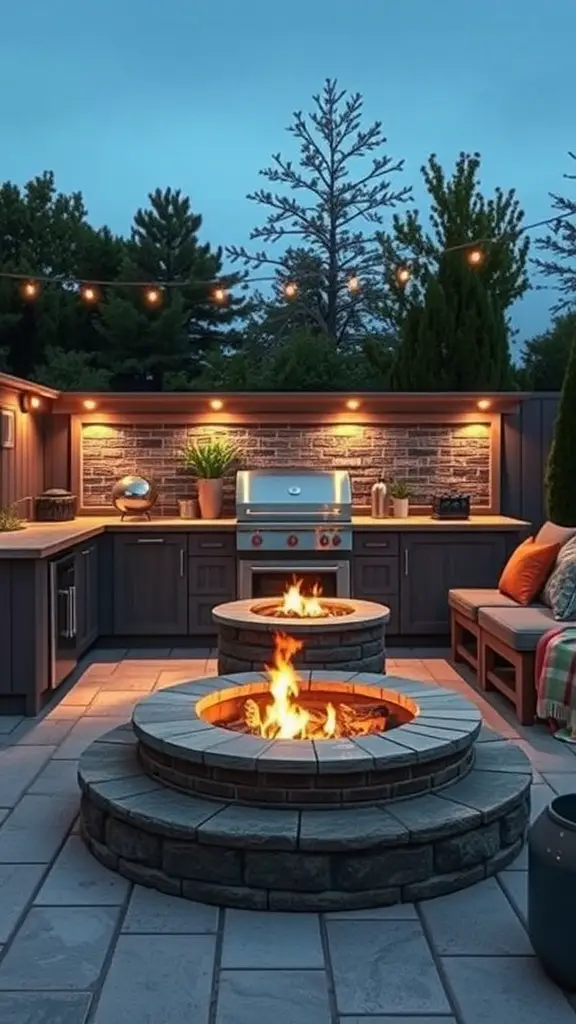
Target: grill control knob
[(336, 540), (256, 540), (324, 540), (292, 540)]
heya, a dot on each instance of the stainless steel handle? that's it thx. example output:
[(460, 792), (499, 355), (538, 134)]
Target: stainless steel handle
[(182, 561), (65, 596), (211, 545), (377, 544), (87, 552), (73, 612), (150, 540), (406, 562)]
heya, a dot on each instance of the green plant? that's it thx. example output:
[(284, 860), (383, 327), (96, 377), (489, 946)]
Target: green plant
[(9, 520), (560, 476), (211, 458), (399, 490)]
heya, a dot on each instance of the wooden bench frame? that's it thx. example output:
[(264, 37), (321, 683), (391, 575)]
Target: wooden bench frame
[(516, 681), (462, 626)]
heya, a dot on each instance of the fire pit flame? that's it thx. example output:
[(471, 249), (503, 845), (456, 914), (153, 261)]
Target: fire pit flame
[(295, 603), (283, 718)]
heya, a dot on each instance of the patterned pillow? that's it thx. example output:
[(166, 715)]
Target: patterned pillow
[(560, 590)]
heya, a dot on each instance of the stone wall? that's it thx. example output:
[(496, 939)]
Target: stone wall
[(431, 458)]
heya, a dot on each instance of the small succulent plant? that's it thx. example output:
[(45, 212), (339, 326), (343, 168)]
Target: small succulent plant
[(399, 490), (10, 520), (210, 459)]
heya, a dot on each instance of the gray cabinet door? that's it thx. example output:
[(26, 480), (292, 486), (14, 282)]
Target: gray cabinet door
[(211, 581), (150, 585), (433, 563), (87, 597), (376, 579)]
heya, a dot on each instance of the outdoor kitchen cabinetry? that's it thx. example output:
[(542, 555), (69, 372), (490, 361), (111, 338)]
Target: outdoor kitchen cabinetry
[(375, 572), (87, 596), (150, 584), (433, 562), (211, 577)]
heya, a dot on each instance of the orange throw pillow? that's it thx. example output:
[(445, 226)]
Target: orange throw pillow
[(527, 570)]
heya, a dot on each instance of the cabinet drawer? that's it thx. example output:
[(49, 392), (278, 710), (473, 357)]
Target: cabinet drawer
[(376, 543), (208, 542)]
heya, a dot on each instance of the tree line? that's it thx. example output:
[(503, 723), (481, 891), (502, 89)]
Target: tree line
[(364, 291)]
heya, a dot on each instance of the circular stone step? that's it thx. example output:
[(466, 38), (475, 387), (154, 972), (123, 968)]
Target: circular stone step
[(299, 860)]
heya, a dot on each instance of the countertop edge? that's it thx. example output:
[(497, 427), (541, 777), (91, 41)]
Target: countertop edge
[(76, 533)]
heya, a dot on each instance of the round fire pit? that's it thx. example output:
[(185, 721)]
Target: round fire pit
[(345, 635)]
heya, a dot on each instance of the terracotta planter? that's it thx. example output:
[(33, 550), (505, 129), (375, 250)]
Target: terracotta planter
[(210, 498), (400, 506), (552, 889)]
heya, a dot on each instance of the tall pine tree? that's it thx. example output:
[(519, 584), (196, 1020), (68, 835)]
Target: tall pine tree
[(560, 473), (144, 347)]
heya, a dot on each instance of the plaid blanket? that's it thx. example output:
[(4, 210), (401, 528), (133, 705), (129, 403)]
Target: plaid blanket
[(555, 673)]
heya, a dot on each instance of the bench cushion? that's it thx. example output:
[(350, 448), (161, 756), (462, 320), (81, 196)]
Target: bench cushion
[(518, 628), (468, 601)]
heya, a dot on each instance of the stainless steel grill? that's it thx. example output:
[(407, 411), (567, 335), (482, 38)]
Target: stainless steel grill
[(294, 510)]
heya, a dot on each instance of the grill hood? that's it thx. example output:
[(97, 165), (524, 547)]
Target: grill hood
[(297, 495)]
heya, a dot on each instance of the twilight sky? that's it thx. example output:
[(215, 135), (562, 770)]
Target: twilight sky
[(127, 95)]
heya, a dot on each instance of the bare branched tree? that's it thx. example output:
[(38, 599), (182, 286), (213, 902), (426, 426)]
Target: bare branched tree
[(328, 223), (560, 244)]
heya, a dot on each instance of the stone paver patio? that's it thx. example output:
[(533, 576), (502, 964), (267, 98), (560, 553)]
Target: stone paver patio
[(80, 944)]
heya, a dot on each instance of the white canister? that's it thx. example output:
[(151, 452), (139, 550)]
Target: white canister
[(379, 500)]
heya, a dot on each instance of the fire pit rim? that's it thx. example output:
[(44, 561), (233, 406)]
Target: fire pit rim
[(238, 614), (157, 722)]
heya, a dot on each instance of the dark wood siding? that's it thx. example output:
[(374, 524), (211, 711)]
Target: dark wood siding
[(22, 467), (526, 439)]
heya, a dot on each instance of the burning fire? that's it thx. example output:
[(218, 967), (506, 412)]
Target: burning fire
[(297, 605), (285, 719)]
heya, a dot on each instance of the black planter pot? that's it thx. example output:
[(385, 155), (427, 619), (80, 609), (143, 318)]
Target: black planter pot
[(552, 889)]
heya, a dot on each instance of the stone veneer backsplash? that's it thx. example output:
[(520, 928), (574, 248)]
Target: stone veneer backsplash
[(431, 458)]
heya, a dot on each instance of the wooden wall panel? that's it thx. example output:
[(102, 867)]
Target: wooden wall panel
[(22, 467), (526, 438)]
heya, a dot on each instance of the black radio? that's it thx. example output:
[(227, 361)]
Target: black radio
[(451, 506)]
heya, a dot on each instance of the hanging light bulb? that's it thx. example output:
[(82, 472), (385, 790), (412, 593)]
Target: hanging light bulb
[(353, 284), (403, 275), (290, 290), (88, 294), (30, 290), (153, 296), (475, 257), (220, 296)]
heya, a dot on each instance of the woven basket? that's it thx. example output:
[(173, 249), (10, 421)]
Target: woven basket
[(55, 506)]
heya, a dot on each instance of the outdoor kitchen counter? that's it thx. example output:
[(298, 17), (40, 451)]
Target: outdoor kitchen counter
[(42, 540)]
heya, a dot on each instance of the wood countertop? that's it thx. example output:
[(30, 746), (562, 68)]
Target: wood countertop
[(43, 540)]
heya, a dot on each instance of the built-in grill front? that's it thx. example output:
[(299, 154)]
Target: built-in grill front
[(303, 518)]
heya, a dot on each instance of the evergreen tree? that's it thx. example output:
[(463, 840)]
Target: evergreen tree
[(544, 358), (560, 474), (560, 246), (467, 319), (144, 346), (326, 210)]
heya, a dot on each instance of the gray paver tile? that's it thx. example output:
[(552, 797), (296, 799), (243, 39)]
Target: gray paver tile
[(540, 797), (505, 990), (57, 778), (18, 766), (561, 782), (397, 1020), (49, 732), (399, 912), (495, 930), (18, 883), (515, 885), (259, 939), (78, 879), (60, 948), (548, 754), (152, 911), (384, 969), (282, 997), (84, 732), (158, 979), (36, 828), (44, 1007), (8, 723)]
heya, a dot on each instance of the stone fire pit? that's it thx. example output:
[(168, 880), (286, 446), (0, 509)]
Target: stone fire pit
[(349, 637), (189, 800)]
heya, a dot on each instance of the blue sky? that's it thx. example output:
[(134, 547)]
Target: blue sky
[(121, 97)]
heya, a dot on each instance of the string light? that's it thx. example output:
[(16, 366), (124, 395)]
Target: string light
[(88, 294), (403, 275), (30, 290), (475, 257), (353, 284), (153, 296), (221, 296), (290, 290)]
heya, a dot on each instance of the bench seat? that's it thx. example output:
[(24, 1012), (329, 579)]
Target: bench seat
[(519, 628), (465, 604), (468, 601)]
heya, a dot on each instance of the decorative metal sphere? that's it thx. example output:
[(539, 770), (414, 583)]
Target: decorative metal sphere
[(134, 495)]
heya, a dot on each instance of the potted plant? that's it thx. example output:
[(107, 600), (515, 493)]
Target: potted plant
[(210, 459), (400, 497), (9, 520)]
